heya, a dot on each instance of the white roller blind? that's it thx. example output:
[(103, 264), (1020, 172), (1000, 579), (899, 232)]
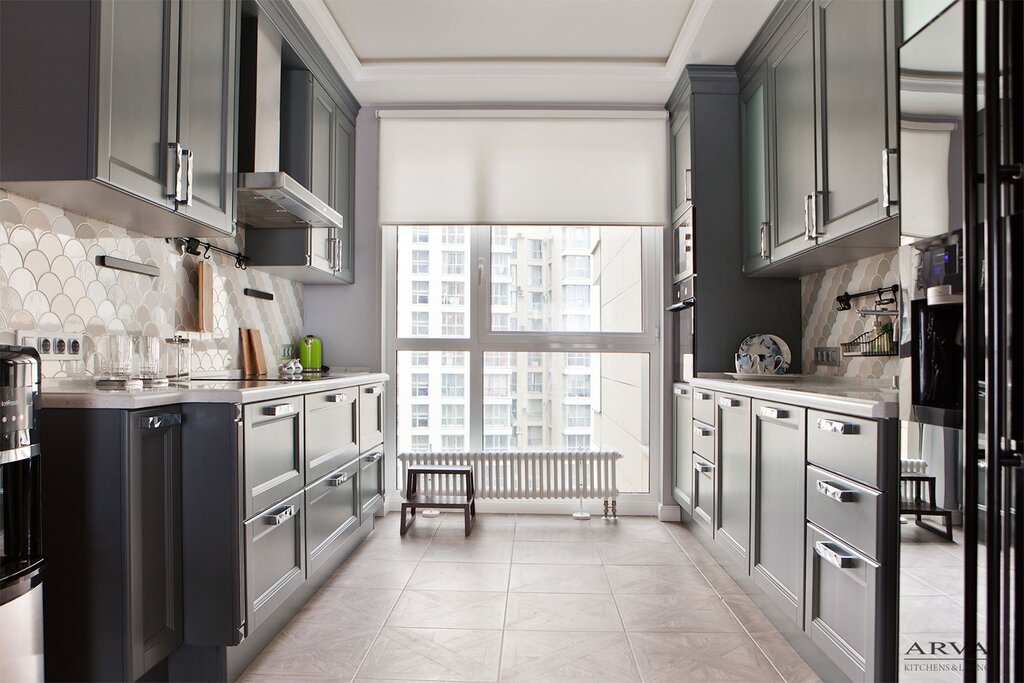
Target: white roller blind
[(523, 167)]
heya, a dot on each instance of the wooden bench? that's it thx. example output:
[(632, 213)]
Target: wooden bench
[(922, 502), (414, 499)]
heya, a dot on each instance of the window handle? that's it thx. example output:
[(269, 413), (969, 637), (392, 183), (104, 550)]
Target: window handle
[(480, 271)]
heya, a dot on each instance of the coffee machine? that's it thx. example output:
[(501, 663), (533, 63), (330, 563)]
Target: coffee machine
[(21, 559)]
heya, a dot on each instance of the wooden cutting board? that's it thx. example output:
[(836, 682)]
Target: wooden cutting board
[(245, 348), (205, 296), (260, 360)]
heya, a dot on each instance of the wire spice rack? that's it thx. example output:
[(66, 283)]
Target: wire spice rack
[(872, 343)]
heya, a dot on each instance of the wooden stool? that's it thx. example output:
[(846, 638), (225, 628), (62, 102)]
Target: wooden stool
[(922, 486), (413, 499)]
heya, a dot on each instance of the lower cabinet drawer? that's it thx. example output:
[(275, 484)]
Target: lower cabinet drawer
[(371, 482), (332, 514), (704, 406), (848, 510), (331, 431), (841, 603), (704, 441), (275, 466), (844, 444), (704, 493), (275, 558)]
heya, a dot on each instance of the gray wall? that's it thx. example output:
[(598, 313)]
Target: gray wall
[(348, 317)]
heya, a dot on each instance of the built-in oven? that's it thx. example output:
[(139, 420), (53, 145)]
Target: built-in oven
[(681, 309), (682, 246)]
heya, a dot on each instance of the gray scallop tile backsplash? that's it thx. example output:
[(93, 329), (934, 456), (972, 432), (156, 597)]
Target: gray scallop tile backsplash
[(49, 280), (824, 326)]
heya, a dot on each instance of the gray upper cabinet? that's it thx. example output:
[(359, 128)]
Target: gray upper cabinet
[(321, 149), (754, 134), (793, 177), (129, 113), (682, 162), (852, 115), (344, 192), (308, 255)]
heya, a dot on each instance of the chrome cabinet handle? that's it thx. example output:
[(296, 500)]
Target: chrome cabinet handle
[(280, 516), (833, 557), (159, 421), (773, 413), (373, 457), (280, 409), (681, 391), (830, 490), (702, 431), (373, 391), (703, 396), (812, 223), (836, 427), (187, 153), (175, 188), (338, 251), (332, 251), (807, 217), (727, 402), (702, 467), (764, 240), (887, 199), (339, 480), (338, 398)]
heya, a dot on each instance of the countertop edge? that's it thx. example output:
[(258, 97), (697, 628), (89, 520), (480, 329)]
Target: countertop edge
[(856, 407)]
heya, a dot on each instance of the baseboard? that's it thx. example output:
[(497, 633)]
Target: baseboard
[(669, 513)]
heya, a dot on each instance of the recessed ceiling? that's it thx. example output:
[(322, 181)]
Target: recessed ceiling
[(526, 51)]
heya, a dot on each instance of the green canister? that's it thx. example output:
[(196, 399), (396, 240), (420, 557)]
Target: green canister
[(311, 354)]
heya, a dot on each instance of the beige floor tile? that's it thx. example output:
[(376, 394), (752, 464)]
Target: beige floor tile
[(558, 578), (458, 550), (642, 553), (561, 612), (378, 574), (449, 609), (542, 552), (648, 530), (913, 586), (929, 555), (579, 532), (331, 651), (545, 656), (658, 579), (672, 657), (784, 658), (547, 520), (433, 655), (480, 532), (928, 614), (948, 580), (460, 576), (332, 605), (748, 614), (679, 613), (455, 519), (392, 549)]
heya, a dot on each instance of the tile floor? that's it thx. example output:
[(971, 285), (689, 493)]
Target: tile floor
[(530, 598)]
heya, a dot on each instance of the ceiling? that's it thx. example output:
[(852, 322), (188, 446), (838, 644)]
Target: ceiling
[(627, 52)]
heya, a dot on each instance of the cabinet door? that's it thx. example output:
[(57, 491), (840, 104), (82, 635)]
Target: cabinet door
[(682, 429), (732, 513), (371, 482), (275, 558), (274, 455), (852, 114), (777, 502), (703, 493), (332, 431), (322, 249), (682, 173), (344, 192), (138, 91), (206, 109), (756, 226), (154, 530), (321, 181), (793, 178), (371, 416), (332, 514)]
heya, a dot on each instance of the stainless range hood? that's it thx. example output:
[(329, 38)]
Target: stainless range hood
[(268, 197)]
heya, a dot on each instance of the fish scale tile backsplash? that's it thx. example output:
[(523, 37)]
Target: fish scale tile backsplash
[(823, 325), (49, 280)]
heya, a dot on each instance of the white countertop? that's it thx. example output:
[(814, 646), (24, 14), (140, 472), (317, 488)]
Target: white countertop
[(850, 396), (83, 393)]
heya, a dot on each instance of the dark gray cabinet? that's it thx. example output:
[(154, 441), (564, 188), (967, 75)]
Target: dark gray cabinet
[(682, 162), (777, 503), (275, 558), (332, 514), (332, 430), (304, 254), (129, 113), (344, 193), (704, 493), (371, 482), (732, 470), (682, 425), (371, 416), (756, 209), (275, 460)]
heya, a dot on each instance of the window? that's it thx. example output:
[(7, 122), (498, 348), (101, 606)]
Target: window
[(536, 248), (453, 415), (534, 359), (497, 415), (454, 262), (496, 385), (577, 416), (577, 360), (494, 359), (500, 265), (453, 234), (534, 382), (499, 294), (499, 236), (420, 292), (453, 385), (419, 358), (534, 436), (453, 442), (420, 443), (576, 266), (453, 293), (420, 416), (420, 262), (577, 386), (535, 409), (420, 234), (576, 237), (453, 359), (453, 324), (496, 442), (577, 442), (420, 384), (576, 323), (420, 323), (536, 276), (536, 302), (501, 322), (576, 296)]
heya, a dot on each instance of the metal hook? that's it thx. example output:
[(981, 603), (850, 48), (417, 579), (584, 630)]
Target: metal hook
[(206, 254)]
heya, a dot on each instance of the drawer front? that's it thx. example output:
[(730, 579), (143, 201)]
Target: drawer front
[(332, 513), (849, 511), (732, 467), (704, 493), (371, 482), (274, 459), (704, 440), (704, 406), (845, 445), (682, 430), (841, 606), (371, 416), (275, 558), (332, 431)]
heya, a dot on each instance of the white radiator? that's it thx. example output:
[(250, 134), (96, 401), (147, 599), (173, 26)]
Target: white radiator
[(552, 474)]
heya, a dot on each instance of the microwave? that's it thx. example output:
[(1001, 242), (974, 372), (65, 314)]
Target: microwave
[(682, 246), (681, 309)]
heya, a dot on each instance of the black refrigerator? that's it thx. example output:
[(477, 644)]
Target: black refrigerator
[(994, 338)]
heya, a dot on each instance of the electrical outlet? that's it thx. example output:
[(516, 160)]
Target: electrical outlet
[(826, 355), (53, 345)]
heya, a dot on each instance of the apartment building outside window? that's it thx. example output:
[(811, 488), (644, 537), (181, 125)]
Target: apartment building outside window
[(535, 382), (420, 292), (577, 386), (420, 323), (501, 265), (420, 384), (535, 409), (453, 442), (419, 359), (420, 415), (453, 359), (534, 436), (453, 324), (453, 385), (496, 386), (577, 442), (454, 263), (536, 276), (499, 294), (453, 293), (420, 234), (420, 262), (576, 266), (577, 360), (453, 415), (577, 416), (497, 415), (536, 249), (419, 443), (576, 237), (453, 234), (576, 296)]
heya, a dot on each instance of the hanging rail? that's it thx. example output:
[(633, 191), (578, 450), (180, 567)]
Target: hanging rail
[(844, 299), (195, 247)]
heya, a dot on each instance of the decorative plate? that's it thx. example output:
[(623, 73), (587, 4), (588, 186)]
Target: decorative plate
[(768, 344), (753, 377)]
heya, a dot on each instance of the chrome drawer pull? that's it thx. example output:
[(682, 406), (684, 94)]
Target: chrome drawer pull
[(373, 391), (703, 467), (774, 413), (681, 391), (727, 402), (373, 457), (280, 409), (827, 488), (833, 557), (337, 398), (703, 396), (280, 516), (701, 431), (338, 480), (159, 421), (836, 427)]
